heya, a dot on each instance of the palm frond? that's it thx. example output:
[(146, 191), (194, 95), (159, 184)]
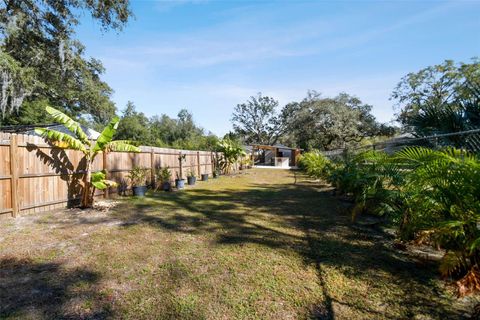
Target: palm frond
[(414, 154), (121, 146)]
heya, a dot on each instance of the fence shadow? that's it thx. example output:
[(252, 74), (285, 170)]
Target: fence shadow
[(47, 290), (58, 160)]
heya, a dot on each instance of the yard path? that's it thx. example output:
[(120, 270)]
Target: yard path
[(266, 244)]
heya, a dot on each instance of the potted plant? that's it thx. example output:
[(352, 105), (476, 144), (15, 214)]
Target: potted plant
[(163, 177), (191, 179), (137, 177), (204, 176), (179, 182), (216, 173)]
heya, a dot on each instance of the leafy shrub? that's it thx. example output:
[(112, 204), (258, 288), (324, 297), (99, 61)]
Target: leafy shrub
[(443, 195), (231, 151), (372, 179), (315, 164), (137, 176), (163, 175), (246, 162), (422, 191)]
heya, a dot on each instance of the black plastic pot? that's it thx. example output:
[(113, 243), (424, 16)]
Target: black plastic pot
[(166, 186), (180, 183), (191, 180), (139, 191), (205, 177)]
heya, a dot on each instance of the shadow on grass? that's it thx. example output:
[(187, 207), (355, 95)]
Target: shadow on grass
[(269, 215), (167, 300), (37, 290), (232, 217)]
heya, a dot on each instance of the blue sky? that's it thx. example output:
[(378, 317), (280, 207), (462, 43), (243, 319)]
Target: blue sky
[(208, 56)]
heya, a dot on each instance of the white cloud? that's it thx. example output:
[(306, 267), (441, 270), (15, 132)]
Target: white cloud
[(241, 40)]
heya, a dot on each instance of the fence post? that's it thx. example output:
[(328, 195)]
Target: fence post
[(105, 169), (212, 162), (180, 161), (152, 167), (14, 173), (198, 164)]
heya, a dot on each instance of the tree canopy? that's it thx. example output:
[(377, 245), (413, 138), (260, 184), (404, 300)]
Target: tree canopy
[(329, 123), (442, 98), (41, 61), (315, 122), (257, 120), (164, 131)]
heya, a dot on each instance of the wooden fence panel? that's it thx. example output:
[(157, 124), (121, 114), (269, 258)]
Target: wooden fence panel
[(5, 176), (46, 177)]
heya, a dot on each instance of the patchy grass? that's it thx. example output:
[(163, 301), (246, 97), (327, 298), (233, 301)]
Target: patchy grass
[(263, 245)]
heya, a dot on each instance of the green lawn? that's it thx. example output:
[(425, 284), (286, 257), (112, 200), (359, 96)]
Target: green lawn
[(267, 244)]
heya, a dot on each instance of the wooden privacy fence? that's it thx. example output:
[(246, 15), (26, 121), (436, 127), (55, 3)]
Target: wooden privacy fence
[(36, 176)]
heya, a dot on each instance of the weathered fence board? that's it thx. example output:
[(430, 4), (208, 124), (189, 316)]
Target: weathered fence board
[(36, 176)]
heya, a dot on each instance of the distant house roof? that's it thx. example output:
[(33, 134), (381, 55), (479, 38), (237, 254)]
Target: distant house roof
[(276, 146), (282, 146), (30, 130)]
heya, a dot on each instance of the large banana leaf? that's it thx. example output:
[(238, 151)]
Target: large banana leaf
[(107, 135), (61, 139), (68, 122), (121, 146), (98, 181)]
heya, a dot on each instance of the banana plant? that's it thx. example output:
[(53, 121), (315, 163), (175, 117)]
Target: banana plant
[(90, 149), (232, 151)]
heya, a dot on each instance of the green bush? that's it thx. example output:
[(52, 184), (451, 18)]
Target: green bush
[(231, 152), (373, 181), (315, 164), (422, 191), (442, 195)]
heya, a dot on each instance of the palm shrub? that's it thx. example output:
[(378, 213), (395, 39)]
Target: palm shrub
[(443, 195), (315, 164), (372, 180), (376, 186), (90, 149), (342, 174), (434, 192)]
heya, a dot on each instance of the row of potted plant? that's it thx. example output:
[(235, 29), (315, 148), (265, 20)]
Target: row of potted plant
[(163, 177)]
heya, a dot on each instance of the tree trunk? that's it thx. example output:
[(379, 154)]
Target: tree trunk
[(87, 196)]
